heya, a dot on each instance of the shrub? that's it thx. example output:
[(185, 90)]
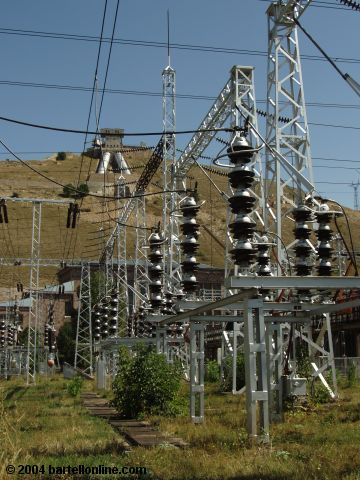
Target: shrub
[(68, 190), (319, 393), (212, 371), (146, 384), (228, 372), (74, 386), (351, 375), (61, 156), (82, 190)]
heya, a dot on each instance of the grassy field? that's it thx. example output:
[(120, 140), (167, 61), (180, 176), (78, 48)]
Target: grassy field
[(45, 425)]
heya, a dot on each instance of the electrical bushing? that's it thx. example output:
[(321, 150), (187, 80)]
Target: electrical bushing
[(189, 244), (105, 318), (324, 234), (156, 270), (241, 178), (113, 314), (302, 214), (2, 333), (97, 323)]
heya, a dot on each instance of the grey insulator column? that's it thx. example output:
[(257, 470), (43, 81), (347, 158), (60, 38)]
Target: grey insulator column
[(189, 244), (242, 203)]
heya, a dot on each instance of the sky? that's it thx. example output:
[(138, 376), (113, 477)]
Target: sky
[(231, 24)]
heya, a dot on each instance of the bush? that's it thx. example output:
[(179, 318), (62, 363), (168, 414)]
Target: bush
[(68, 190), (61, 156), (351, 375), (240, 372), (82, 190), (146, 384), (74, 386), (212, 371), (319, 393)]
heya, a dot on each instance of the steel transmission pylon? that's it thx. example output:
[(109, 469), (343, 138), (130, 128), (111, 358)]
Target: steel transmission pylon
[(33, 295), (172, 254), (244, 107), (84, 345), (140, 267), (287, 129)]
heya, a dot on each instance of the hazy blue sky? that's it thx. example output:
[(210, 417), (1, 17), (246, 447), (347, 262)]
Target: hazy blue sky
[(239, 24)]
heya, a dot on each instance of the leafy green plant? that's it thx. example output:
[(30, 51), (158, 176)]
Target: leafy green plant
[(319, 393), (351, 375), (74, 386), (146, 384), (212, 371)]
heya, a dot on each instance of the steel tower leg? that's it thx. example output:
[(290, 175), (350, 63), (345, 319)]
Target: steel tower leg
[(256, 371), (33, 295), (140, 267), (84, 346), (197, 357)]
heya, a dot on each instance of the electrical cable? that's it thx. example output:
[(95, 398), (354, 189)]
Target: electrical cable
[(152, 94), (345, 76), (125, 134), (350, 3), (155, 44)]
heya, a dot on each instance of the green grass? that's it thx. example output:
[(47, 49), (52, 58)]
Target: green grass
[(44, 425)]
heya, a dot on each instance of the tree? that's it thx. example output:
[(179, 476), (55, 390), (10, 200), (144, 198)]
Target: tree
[(68, 190), (82, 190), (65, 342), (61, 156)]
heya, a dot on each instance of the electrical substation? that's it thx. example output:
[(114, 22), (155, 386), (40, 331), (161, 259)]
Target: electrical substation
[(278, 291)]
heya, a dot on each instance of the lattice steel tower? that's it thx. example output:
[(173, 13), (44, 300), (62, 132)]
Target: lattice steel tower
[(287, 128)]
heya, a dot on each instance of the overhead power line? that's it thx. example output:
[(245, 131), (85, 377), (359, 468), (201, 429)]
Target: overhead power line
[(149, 134), (155, 44), (79, 88)]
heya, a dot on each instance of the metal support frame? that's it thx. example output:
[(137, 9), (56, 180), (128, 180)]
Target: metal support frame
[(287, 129), (140, 266), (171, 249), (33, 294), (256, 371), (84, 346), (197, 370)]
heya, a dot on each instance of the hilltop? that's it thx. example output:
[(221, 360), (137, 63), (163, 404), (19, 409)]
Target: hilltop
[(97, 217)]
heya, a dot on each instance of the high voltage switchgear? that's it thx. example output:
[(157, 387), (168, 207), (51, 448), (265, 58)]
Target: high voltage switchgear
[(156, 271), (2, 333), (189, 245), (303, 265), (241, 178), (97, 323), (3, 212), (73, 212), (113, 310), (324, 235), (49, 336)]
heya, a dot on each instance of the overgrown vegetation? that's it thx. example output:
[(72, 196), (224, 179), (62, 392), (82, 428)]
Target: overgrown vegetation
[(212, 371), (43, 425), (80, 191), (227, 382), (74, 386), (146, 384)]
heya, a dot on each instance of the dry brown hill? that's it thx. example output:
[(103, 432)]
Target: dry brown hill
[(98, 216)]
